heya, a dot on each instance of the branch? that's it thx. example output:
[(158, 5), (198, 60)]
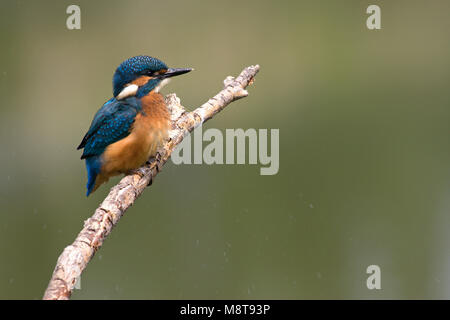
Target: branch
[(76, 256)]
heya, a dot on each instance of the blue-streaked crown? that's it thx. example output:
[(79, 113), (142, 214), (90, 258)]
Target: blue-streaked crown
[(133, 68)]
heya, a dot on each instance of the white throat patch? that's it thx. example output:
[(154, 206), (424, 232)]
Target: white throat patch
[(128, 91), (132, 89), (162, 84)]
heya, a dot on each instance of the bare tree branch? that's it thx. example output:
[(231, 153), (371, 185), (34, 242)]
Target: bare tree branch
[(76, 256)]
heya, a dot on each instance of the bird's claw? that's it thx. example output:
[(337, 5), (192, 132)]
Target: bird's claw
[(150, 160), (132, 171)]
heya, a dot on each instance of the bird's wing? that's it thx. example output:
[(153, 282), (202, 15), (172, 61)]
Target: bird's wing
[(110, 124)]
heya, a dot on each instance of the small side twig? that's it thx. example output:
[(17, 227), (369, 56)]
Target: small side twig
[(75, 257)]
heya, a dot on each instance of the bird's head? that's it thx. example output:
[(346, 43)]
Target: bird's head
[(139, 75)]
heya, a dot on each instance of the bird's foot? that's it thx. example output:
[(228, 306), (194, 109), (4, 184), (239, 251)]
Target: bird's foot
[(133, 171), (150, 160)]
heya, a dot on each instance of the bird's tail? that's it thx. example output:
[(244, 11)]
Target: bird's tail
[(93, 165)]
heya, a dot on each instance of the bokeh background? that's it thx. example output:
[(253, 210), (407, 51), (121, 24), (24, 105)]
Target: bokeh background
[(364, 150)]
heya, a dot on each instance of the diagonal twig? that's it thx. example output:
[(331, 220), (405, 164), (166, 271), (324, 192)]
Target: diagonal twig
[(75, 257)]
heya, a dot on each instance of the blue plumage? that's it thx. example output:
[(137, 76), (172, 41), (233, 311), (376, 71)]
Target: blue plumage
[(128, 70), (110, 124), (93, 167), (149, 86)]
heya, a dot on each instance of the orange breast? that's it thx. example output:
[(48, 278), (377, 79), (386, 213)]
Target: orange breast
[(148, 132)]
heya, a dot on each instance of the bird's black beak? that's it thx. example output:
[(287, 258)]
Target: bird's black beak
[(172, 72)]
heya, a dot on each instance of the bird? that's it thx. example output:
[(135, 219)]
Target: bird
[(127, 130)]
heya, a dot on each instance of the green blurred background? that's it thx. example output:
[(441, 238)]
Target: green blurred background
[(364, 150)]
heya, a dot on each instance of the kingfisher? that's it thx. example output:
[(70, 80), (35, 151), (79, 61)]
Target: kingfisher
[(127, 130)]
